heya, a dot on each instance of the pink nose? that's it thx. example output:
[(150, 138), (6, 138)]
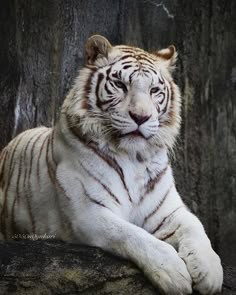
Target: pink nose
[(138, 119)]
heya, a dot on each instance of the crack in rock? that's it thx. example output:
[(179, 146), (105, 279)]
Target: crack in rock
[(161, 4)]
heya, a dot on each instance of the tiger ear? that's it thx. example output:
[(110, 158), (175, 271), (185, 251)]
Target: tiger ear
[(96, 46), (168, 55)]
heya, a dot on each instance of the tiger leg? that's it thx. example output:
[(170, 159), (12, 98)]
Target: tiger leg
[(95, 224), (185, 232), (158, 260)]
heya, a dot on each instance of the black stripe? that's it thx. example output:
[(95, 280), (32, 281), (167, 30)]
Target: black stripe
[(158, 206), (2, 153), (152, 183), (115, 102), (124, 57), (58, 184), (90, 198), (161, 102), (170, 234), (14, 150), (102, 184), (164, 219), (17, 196), (51, 173), (116, 75), (87, 86), (108, 73), (126, 62), (127, 67), (39, 156), (107, 90), (150, 67), (99, 80), (52, 147), (3, 168), (4, 212), (126, 47), (106, 102), (142, 57), (167, 101), (128, 51), (32, 151), (171, 91), (28, 198), (161, 82), (153, 71), (131, 75), (28, 193), (112, 163)]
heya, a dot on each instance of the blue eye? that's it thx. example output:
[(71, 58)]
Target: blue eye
[(120, 85), (154, 90)]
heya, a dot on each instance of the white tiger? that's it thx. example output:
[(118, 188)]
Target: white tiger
[(101, 176)]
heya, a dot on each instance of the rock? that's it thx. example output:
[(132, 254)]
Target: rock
[(54, 267), (42, 50)]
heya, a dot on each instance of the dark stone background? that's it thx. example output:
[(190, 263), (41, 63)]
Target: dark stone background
[(42, 49)]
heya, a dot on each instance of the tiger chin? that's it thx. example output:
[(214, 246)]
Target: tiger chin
[(101, 176)]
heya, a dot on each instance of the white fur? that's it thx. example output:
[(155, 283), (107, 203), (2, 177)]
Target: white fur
[(75, 194)]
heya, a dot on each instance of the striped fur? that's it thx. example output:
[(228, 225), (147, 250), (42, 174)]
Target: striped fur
[(101, 175)]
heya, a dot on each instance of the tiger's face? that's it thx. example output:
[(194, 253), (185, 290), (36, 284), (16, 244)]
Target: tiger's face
[(127, 96)]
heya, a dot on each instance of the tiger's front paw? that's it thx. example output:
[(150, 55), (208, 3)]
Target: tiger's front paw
[(168, 271), (204, 267)]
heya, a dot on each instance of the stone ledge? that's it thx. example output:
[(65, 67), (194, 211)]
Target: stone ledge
[(54, 267)]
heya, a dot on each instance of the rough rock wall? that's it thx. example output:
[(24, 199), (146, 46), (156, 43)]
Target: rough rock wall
[(42, 48)]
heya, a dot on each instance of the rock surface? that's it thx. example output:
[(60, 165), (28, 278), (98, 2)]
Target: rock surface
[(42, 49), (53, 267)]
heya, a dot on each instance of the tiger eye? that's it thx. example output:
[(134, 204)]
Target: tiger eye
[(120, 85), (154, 90)]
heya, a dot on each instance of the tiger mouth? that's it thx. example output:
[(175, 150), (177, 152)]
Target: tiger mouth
[(135, 133)]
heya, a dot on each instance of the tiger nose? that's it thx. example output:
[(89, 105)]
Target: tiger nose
[(138, 119)]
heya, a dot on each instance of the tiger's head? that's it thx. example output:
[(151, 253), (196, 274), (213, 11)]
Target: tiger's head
[(125, 97)]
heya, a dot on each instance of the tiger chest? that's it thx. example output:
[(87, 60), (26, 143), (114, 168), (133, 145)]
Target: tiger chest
[(121, 184)]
